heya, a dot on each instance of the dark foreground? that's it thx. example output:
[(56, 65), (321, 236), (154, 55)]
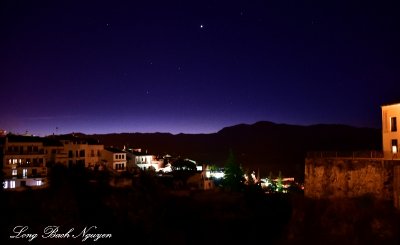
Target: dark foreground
[(148, 212)]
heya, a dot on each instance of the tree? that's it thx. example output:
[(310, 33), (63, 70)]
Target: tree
[(279, 184), (233, 178)]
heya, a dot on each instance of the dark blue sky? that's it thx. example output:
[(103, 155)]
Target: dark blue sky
[(194, 66)]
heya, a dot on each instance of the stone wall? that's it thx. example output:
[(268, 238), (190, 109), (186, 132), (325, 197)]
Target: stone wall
[(349, 177), (396, 186)]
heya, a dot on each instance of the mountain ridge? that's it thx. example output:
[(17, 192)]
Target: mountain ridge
[(262, 145)]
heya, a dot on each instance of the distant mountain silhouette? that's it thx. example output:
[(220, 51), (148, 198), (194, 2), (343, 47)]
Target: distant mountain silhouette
[(264, 145)]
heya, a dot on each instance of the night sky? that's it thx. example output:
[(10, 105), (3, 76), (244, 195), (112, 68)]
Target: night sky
[(194, 66)]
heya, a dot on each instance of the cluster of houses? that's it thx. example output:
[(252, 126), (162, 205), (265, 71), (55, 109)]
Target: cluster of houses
[(25, 159)]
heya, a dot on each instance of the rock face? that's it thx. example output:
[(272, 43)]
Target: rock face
[(351, 177)]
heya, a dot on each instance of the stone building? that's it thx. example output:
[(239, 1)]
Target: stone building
[(390, 132), (337, 175)]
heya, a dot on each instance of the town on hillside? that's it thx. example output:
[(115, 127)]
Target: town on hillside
[(27, 163)]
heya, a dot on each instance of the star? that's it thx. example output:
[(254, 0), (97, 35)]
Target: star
[(201, 26)]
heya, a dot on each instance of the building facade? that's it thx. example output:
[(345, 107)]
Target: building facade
[(24, 162), (78, 151), (115, 159), (390, 131)]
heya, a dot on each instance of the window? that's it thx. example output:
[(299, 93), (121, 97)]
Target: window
[(82, 153), (5, 184), (38, 182), (14, 172), (24, 172), (123, 156), (393, 124), (15, 161), (70, 154), (119, 166), (12, 184), (394, 146)]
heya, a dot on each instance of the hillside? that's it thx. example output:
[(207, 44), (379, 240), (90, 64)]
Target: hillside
[(264, 145)]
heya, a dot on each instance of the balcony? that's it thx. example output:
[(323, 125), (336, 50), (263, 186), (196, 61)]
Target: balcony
[(30, 176), (39, 152), (30, 165)]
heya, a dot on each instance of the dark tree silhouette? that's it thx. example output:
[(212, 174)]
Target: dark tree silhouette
[(233, 178)]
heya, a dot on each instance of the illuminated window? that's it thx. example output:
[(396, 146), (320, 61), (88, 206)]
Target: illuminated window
[(394, 146), (12, 184), (14, 172), (9, 161), (5, 184), (393, 124), (38, 182), (24, 172)]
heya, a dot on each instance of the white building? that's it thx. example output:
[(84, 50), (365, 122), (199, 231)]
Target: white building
[(144, 160), (115, 159)]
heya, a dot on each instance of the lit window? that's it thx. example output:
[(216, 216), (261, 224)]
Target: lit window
[(12, 184), (393, 124), (14, 172), (9, 161), (15, 161), (38, 182), (5, 184), (394, 146), (19, 161), (24, 172)]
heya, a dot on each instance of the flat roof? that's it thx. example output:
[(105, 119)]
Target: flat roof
[(391, 104), (114, 150)]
